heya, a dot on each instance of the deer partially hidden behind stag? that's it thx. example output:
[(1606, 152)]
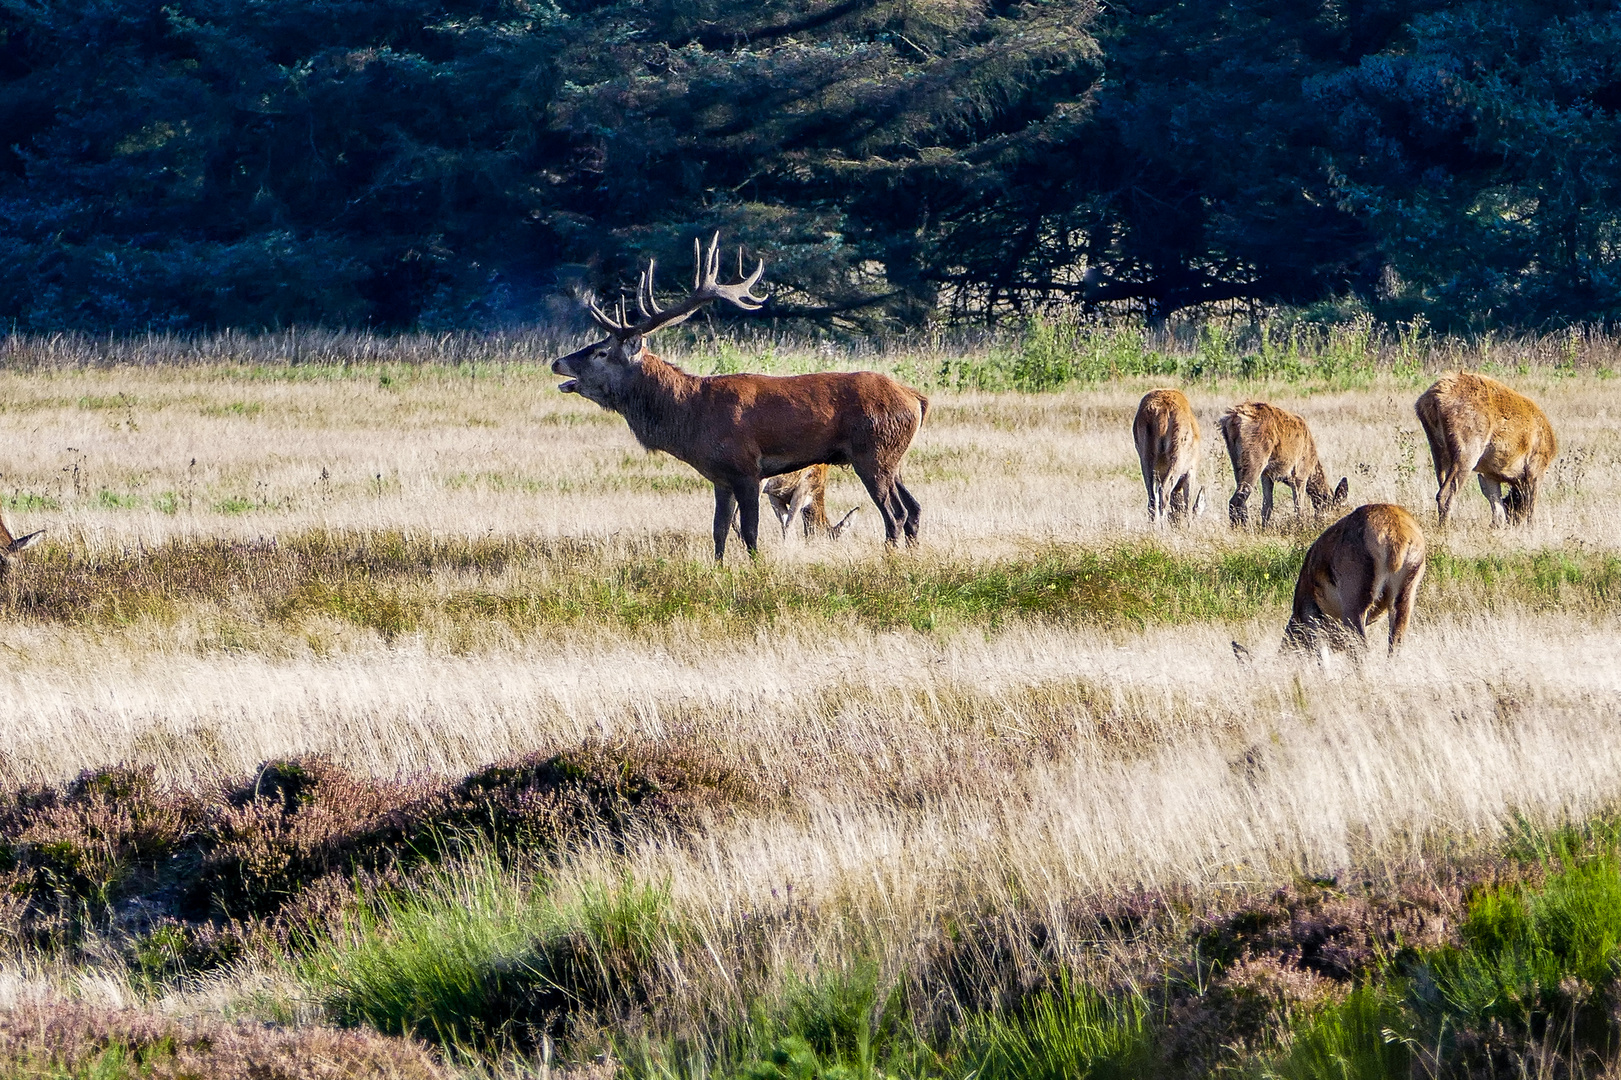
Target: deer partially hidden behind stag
[(1477, 425), (803, 494), (737, 430)]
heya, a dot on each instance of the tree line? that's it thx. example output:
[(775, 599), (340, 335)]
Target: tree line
[(197, 164)]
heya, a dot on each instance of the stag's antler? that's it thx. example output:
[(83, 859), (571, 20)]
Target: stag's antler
[(706, 288)]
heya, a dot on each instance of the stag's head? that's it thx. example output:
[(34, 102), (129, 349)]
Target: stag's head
[(602, 371)]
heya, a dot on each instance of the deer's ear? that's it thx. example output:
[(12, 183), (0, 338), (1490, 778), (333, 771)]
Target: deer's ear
[(1342, 492), (1198, 504), (633, 349), (22, 543)]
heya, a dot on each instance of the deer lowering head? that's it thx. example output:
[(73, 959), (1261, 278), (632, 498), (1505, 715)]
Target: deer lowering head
[(1366, 564), (738, 429), (1167, 436), (1477, 425), (11, 548), (1269, 445)]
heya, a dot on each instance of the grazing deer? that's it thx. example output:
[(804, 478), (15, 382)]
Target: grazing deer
[(1167, 437), (1268, 444), (804, 493), (738, 429), (801, 494), (1478, 425), (1367, 563)]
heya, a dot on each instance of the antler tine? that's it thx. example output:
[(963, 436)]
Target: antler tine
[(603, 319), (712, 264), (742, 293), (644, 292)]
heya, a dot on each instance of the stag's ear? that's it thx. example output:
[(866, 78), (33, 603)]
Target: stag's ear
[(23, 543), (1342, 492), (1198, 504), (633, 349)]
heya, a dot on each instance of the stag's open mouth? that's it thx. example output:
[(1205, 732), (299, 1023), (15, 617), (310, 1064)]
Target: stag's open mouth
[(569, 386)]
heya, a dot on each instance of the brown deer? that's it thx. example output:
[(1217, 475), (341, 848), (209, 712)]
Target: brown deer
[(1478, 425), (1271, 445), (801, 494), (738, 429), (804, 493), (1167, 437), (1367, 563)]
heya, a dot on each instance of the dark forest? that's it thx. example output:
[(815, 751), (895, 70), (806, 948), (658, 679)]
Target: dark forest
[(200, 164)]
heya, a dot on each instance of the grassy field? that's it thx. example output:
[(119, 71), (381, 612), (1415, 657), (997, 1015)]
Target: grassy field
[(373, 684)]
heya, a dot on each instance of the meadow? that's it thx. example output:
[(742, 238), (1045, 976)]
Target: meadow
[(372, 690)]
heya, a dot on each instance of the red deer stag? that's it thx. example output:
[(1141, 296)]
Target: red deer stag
[(1167, 437), (1478, 425), (1367, 563), (738, 429), (1271, 445)]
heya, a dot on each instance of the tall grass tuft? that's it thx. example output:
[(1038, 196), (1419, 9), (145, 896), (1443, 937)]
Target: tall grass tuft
[(448, 961), (1365, 1037), (1068, 1032), (1530, 952)]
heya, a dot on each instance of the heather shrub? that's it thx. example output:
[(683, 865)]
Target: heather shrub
[(70, 1040), (185, 878)]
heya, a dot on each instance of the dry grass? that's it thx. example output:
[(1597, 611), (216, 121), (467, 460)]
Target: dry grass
[(932, 759)]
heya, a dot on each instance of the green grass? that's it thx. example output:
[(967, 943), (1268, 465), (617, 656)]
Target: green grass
[(476, 954), (448, 961), (397, 584), (1063, 1033), (1365, 1037), (1530, 950)]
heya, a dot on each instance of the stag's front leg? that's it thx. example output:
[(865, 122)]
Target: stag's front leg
[(725, 503), (747, 493)]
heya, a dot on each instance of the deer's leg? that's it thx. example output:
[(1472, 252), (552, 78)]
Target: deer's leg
[(1494, 495), (914, 512), (725, 507), (1355, 584), (1402, 610), (783, 509), (1266, 500), (1156, 506), (1238, 508), (1451, 478), (747, 493), (880, 486)]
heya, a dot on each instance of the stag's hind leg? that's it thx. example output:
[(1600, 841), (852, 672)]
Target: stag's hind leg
[(1463, 459), (1494, 495), (880, 486), (1248, 470), (914, 512)]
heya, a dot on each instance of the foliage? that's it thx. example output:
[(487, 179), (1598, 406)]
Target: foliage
[(214, 163)]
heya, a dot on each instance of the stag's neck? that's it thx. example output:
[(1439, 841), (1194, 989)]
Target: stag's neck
[(659, 406)]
